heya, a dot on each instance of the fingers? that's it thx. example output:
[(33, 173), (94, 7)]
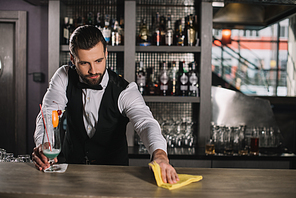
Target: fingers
[(168, 173), (40, 160), (164, 174), (172, 176)]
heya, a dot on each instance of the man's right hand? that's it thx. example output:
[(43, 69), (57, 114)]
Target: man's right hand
[(40, 160)]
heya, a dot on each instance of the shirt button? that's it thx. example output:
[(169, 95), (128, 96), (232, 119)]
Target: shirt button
[(87, 98)]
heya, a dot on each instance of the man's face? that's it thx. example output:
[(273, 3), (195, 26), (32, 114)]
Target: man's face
[(91, 64)]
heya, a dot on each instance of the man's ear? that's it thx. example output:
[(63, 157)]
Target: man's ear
[(72, 59), (106, 54)]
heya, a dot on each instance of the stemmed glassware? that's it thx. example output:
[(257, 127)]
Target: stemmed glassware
[(51, 143)]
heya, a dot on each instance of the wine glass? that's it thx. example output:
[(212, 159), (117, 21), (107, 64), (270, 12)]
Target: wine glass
[(51, 143)]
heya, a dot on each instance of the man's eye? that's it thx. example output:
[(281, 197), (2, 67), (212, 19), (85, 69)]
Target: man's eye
[(98, 61), (83, 63)]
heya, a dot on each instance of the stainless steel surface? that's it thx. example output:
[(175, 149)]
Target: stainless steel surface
[(233, 108), (23, 180), (251, 14)]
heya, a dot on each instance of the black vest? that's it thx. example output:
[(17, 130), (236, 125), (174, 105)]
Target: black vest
[(108, 146)]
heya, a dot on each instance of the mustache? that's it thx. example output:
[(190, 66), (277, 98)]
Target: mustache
[(91, 75)]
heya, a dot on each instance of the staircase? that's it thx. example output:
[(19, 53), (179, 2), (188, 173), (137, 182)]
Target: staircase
[(233, 71)]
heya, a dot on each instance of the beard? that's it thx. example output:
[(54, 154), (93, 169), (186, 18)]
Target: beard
[(88, 80)]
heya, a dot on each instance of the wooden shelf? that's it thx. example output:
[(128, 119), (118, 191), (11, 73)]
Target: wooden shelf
[(172, 99)]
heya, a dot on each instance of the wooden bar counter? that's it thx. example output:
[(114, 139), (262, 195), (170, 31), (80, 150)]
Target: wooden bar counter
[(23, 180)]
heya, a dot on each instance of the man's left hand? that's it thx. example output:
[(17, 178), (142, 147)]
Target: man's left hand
[(168, 173)]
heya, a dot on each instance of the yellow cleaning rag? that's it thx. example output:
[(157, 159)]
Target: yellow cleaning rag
[(184, 179)]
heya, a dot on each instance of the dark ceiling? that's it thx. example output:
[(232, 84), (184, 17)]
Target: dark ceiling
[(241, 14), (251, 14)]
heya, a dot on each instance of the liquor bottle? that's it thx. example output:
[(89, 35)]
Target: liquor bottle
[(179, 38), (115, 35), (185, 25), (89, 20), (151, 84), (99, 24), (121, 29), (80, 21), (157, 32), (164, 80), (141, 78), (173, 74), (71, 27), (182, 80), (169, 32), (193, 84), (66, 34), (162, 30), (190, 32), (143, 38), (195, 25), (106, 30)]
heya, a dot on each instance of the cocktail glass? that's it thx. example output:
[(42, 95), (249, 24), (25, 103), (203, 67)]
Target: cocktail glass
[(51, 144)]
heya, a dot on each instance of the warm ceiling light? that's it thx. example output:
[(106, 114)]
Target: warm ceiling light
[(226, 37)]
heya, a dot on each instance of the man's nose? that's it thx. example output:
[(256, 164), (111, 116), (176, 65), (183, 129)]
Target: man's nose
[(92, 69)]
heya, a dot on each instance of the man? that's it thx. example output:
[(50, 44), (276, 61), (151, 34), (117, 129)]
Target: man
[(98, 105)]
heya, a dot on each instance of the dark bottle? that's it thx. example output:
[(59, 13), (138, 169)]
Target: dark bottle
[(182, 80), (186, 27), (151, 84), (179, 36), (141, 78), (162, 30), (169, 34), (191, 36), (195, 25), (66, 31), (173, 79), (143, 39), (107, 30), (89, 20), (121, 29), (157, 31), (115, 34), (164, 80), (99, 24), (193, 84), (71, 27), (80, 21)]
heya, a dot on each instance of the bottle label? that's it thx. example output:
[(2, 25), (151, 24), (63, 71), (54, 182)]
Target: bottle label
[(183, 87), (192, 88), (191, 36), (169, 38), (113, 38), (66, 33), (117, 39), (107, 34), (157, 37), (164, 87)]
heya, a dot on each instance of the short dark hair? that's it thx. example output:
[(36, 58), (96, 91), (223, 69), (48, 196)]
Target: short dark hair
[(85, 37)]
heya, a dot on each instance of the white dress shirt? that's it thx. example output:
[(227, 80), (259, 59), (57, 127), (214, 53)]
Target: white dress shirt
[(130, 103)]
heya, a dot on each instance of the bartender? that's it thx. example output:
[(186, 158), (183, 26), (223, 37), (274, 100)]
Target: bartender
[(98, 105)]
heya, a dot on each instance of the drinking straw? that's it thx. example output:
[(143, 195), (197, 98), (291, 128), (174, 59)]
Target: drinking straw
[(45, 126)]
